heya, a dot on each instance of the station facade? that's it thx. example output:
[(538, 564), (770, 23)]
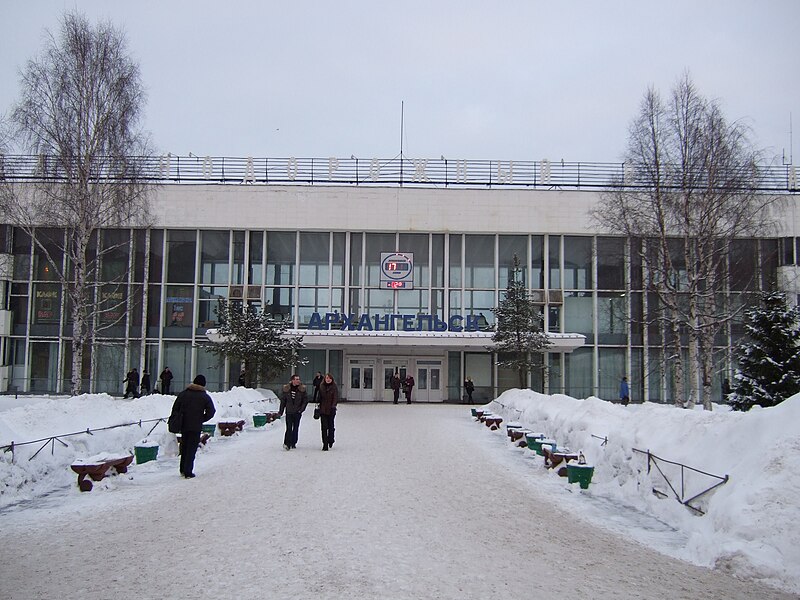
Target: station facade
[(376, 278)]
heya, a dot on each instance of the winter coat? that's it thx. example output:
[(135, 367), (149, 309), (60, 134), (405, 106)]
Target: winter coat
[(469, 387), (132, 378), (166, 376), (195, 406), (409, 384), (146, 381), (290, 404), (624, 390), (328, 398), (397, 383)]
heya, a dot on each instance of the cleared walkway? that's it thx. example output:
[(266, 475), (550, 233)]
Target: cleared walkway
[(411, 503)]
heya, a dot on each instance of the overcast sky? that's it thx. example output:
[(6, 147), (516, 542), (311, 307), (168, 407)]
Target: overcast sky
[(511, 80)]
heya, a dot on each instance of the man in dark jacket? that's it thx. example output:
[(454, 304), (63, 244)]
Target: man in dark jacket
[(195, 407), (132, 380), (294, 400), (166, 378)]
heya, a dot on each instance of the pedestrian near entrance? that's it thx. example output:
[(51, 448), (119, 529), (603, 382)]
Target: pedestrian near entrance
[(166, 379), (145, 382), (469, 387), (328, 399), (194, 407), (132, 380), (396, 384), (624, 392), (408, 388), (316, 382), (294, 400)]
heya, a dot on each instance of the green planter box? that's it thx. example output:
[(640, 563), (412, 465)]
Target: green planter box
[(145, 453), (259, 420), (582, 474), (209, 428), (534, 440)]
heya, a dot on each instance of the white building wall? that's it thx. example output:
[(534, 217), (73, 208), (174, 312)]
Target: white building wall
[(375, 209)]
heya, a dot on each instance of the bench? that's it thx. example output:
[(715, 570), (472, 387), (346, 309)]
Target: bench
[(96, 467), (552, 460), (228, 428), (492, 422)]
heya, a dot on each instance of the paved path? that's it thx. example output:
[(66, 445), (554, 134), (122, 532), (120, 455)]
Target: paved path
[(411, 503)]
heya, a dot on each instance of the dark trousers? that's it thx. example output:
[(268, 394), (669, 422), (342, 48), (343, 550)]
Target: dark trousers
[(396, 395), (408, 395), (326, 421), (190, 440), (165, 387), (292, 427)]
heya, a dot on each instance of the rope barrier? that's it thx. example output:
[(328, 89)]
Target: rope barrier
[(52, 439)]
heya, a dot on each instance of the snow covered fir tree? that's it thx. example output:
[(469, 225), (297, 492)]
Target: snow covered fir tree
[(255, 339), (520, 341), (769, 357)]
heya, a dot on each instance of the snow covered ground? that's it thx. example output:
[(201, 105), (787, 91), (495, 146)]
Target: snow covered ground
[(414, 501)]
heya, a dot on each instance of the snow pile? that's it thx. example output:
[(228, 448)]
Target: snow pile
[(750, 525), (130, 423)]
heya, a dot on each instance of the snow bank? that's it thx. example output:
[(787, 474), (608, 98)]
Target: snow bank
[(24, 476), (750, 524)]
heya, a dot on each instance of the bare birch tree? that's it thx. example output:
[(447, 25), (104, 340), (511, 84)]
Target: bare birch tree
[(79, 111), (691, 189)]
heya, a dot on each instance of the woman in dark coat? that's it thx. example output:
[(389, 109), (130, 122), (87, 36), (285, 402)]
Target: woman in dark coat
[(328, 399)]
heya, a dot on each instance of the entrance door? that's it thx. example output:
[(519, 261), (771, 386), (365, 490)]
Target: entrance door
[(429, 381), (361, 386), (390, 367)]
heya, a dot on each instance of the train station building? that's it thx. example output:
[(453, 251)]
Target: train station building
[(381, 266)]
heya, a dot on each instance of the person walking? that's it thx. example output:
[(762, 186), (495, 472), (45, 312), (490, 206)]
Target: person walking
[(242, 378), (294, 400), (316, 382), (408, 387), (328, 399), (469, 387), (132, 379), (396, 384), (145, 388), (624, 392), (192, 407), (166, 378)]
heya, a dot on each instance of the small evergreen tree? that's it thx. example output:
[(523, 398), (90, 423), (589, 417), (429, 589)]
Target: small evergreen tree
[(256, 339), (769, 359), (519, 340)]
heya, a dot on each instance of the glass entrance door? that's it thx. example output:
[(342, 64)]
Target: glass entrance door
[(361, 386), (429, 381)]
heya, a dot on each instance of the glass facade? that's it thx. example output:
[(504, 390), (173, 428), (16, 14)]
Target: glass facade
[(158, 290)]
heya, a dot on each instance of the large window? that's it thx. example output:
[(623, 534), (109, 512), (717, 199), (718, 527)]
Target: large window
[(509, 246), (610, 263), (214, 252), (114, 260), (577, 263), (479, 261), (255, 265), (281, 253), (417, 243), (181, 246), (375, 244), (314, 259)]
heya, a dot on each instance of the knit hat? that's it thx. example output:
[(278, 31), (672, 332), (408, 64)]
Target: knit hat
[(200, 380)]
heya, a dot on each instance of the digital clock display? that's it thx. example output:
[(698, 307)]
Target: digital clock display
[(397, 270)]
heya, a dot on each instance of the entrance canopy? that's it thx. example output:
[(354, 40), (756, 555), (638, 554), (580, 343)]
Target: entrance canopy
[(561, 342)]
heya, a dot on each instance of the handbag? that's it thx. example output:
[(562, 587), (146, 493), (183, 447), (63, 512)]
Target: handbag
[(316, 412)]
